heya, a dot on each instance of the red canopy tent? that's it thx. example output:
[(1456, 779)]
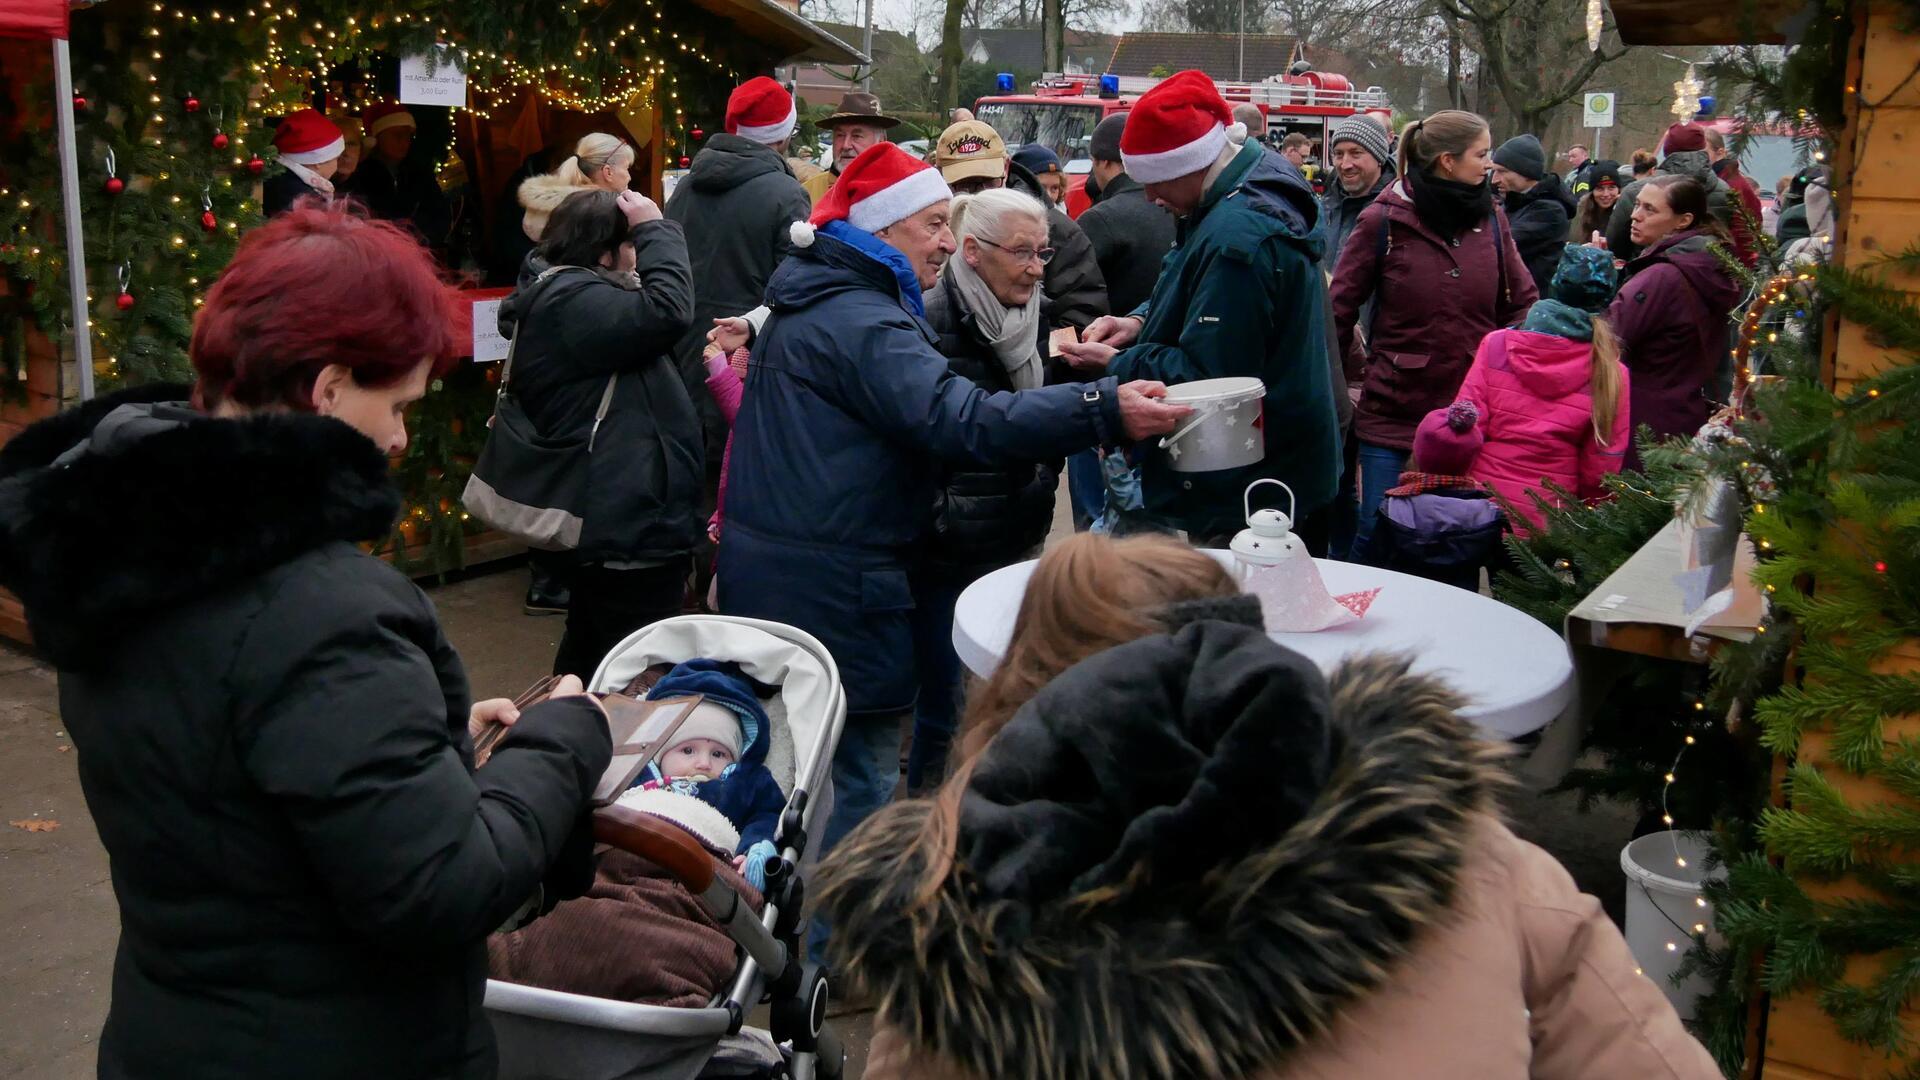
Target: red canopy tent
[(47, 20)]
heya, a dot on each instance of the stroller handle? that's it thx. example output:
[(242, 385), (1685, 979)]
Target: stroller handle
[(668, 846)]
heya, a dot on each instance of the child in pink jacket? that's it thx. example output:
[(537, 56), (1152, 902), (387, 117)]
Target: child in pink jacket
[(1552, 394)]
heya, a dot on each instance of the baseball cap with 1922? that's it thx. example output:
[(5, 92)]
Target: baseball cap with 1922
[(970, 149)]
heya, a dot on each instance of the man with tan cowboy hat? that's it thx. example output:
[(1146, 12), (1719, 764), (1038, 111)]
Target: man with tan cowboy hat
[(857, 124)]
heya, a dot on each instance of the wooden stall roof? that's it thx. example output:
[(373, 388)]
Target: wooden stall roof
[(1703, 22), (765, 20)]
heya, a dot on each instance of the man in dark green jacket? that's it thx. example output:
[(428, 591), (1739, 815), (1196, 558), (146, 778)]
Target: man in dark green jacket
[(1241, 295)]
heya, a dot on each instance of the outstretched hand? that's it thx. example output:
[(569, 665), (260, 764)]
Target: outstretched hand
[(1118, 331), (730, 334), (1142, 413), (1088, 355)]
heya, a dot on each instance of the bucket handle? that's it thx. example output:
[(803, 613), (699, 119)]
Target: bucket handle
[(1246, 499), (1200, 416)]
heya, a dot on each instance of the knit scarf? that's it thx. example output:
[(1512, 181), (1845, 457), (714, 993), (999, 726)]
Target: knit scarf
[(320, 184), (1012, 333), (1449, 207), (1550, 316)]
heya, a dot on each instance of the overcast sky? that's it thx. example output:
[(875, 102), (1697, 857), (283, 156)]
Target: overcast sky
[(899, 14)]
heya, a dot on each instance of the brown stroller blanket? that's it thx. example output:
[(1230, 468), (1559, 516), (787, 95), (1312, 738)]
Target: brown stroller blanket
[(637, 935)]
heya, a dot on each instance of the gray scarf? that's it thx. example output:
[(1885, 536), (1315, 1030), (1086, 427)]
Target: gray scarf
[(1013, 333)]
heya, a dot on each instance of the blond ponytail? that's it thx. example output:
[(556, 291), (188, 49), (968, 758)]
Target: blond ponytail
[(1605, 384)]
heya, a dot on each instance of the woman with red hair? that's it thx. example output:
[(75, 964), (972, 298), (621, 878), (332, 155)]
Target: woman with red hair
[(272, 731)]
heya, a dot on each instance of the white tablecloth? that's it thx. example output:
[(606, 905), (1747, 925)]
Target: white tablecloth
[(1516, 674)]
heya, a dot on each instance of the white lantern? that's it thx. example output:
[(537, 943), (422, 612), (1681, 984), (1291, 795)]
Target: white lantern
[(1268, 539)]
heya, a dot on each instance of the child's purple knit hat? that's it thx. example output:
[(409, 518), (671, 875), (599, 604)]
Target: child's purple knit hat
[(1448, 440)]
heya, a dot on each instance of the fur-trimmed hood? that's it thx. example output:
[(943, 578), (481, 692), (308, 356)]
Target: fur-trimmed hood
[(1183, 858), (133, 503), (544, 193)]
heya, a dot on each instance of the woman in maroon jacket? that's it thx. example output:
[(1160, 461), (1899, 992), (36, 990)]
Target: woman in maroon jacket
[(1671, 314), (1433, 266)]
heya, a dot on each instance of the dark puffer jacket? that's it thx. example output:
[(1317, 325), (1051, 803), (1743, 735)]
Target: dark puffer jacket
[(272, 738), (1671, 318), (1131, 238), (983, 518), (1539, 221), (1436, 298), (736, 205), (576, 328)]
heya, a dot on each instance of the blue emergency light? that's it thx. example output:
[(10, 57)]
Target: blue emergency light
[(1003, 82), (1706, 105), (1109, 86)]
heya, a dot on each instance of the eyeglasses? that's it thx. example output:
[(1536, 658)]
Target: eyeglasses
[(1045, 255)]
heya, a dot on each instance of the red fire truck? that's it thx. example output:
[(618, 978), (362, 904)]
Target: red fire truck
[(1062, 111)]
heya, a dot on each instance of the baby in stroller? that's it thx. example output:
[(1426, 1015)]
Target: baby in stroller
[(638, 934), (719, 757)]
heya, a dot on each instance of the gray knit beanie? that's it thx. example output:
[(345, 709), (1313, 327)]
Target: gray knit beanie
[(1365, 132), (1522, 154)]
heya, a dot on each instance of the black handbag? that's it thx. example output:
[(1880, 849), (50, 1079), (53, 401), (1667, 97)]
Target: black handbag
[(526, 485)]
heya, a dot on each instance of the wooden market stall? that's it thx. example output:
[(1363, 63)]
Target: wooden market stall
[(1877, 212), (174, 103)]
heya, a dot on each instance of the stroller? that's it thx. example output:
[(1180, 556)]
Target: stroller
[(550, 1035)]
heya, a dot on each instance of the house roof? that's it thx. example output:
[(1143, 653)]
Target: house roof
[(1216, 54), (885, 42), (1019, 49)]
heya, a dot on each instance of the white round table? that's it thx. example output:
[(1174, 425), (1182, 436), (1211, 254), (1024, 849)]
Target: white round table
[(1516, 674)]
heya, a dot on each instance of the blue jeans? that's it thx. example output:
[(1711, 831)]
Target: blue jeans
[(1380, 469), (866, 769), (938, 712), (1086, 488)]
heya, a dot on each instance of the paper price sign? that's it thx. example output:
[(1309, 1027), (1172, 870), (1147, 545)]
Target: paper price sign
[(437, 78)]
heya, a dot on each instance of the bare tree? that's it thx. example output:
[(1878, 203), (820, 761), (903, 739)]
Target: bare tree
[(1533, 53), (950, 53)]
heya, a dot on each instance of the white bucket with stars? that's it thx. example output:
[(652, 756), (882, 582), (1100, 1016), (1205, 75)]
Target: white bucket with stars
[(1225, 430)]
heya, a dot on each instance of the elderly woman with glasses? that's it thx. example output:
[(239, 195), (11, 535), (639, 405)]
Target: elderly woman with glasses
[(986, 310)]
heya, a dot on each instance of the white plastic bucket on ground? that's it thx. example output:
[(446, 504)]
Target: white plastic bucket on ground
[(1224, 431), (1665, 910)]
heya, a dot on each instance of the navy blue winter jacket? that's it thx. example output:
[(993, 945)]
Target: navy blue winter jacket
[(746, 793), (848, 407)]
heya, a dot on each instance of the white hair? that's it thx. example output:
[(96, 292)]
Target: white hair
[(986, 215)]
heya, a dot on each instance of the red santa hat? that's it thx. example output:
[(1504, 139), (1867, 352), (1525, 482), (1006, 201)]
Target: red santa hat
[(884, 185), (308, 138), (387, 116), (1176, 128), (761, 110)]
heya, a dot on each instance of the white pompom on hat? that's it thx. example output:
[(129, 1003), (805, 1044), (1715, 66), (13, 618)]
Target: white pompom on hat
[(762, 111), (1176, 128), (883, 186), (308, 138), (706, 823)]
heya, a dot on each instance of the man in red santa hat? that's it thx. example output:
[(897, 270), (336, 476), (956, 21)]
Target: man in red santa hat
[(310, 147), (1241, 295), (848, 410), (736, 205)]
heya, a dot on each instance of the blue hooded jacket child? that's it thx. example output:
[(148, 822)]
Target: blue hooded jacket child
[(745, 791)]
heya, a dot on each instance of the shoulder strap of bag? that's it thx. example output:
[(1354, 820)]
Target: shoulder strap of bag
[(1500, 258), (513, 343)]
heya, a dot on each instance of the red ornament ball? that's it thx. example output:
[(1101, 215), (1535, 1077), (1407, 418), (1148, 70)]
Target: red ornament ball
[(115, 185), (220, 140), (80, 103), (123, 301), (254, 165), (697, 133), (192, 104), (209, 222), (1880, 568), (685, 161)]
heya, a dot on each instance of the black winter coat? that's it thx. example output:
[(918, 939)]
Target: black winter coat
[(408, 193), (1076, 293), (281, 191), (736, 205), (1539, 220), (1130, 237), (983, 518), (272, 738), (582, 327)]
